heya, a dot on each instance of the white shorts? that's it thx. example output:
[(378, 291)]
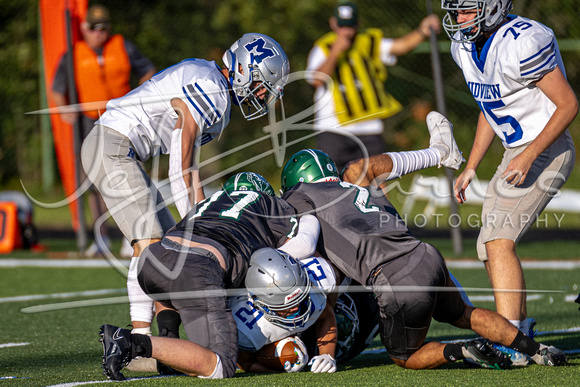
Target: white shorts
[(509, 211), (110, 162)]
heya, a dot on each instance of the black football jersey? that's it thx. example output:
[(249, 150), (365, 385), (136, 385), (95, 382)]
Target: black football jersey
[(241, 221), (358, 231)]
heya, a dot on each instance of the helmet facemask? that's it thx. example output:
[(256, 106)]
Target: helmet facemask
[(490, 13)]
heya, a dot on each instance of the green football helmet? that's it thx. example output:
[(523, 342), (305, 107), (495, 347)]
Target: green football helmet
[(248, 181), (308, 166)]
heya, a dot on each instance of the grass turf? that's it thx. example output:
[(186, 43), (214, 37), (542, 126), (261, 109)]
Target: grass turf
[(63, 345)]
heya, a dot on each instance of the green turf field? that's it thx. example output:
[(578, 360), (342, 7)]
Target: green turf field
[(61, 346)]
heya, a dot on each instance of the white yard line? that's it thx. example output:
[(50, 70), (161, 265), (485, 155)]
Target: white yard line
[(87, 293), (72, 384), (89, 263), (9, 345)]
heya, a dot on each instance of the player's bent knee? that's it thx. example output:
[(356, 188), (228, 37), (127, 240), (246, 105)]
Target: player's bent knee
[(400, 362), (220, 372)]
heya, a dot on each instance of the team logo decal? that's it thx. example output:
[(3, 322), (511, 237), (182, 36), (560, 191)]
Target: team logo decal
[(258, 50)]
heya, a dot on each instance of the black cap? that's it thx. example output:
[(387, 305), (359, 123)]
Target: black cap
[(346, 14)]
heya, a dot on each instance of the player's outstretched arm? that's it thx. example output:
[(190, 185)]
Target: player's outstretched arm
[(326, 333)]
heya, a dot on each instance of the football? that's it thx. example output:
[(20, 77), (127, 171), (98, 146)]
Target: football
[(276, 354)]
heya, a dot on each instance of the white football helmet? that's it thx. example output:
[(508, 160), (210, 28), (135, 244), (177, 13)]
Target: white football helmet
[(254, 62), (276, 282), (490, 13)]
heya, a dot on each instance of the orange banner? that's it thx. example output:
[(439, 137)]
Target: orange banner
[(53, 26)]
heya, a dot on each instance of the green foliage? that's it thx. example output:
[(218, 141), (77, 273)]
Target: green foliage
[(169, 31)]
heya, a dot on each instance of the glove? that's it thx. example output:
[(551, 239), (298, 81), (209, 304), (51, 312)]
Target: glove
[(302, 355), (322, 363)]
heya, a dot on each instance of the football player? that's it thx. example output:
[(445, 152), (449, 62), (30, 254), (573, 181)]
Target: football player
[(513, 68), (286, 297), (175, 112), (207, 252), (364, 236)]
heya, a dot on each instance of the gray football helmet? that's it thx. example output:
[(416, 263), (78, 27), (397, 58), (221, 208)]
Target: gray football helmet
[(254, 62), (277, 282), (490, 13)]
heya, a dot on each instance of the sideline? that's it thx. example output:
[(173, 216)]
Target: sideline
[(75, 263), (72, 384), (102, 263)]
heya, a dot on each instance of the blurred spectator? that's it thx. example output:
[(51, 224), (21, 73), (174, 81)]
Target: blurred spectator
[(103, 64), (356, 59)]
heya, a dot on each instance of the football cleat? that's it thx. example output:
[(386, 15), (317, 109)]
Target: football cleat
[(550, 356), (116, 350), (518, 359), (441, 132), (481, 353)]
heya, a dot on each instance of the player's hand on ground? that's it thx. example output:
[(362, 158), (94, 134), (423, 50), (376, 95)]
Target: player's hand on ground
[(462, 183), (322, 363)]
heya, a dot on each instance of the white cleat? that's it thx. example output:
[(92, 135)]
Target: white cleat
[(441, 132)]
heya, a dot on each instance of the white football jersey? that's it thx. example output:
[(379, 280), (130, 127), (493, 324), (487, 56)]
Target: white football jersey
[(502, 78), (255, 331), (146, 116)]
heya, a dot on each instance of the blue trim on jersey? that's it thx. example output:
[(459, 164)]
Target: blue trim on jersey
[(204, 95), (545, 54), (205, 138), (195, 106), (480, 59)]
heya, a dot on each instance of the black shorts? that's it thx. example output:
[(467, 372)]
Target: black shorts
[(181, 277), (408, 299), (343, 149)]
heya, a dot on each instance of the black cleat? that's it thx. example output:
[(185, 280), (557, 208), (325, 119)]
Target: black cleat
[(116, 350), (481, 353)]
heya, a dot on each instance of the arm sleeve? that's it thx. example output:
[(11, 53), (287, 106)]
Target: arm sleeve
[(177, 183), (304, 243)]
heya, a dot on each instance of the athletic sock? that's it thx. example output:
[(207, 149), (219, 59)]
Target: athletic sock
[(411, 161), (141, 346), (453, 352), (168, 322), (524, 344), (140, 304)]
